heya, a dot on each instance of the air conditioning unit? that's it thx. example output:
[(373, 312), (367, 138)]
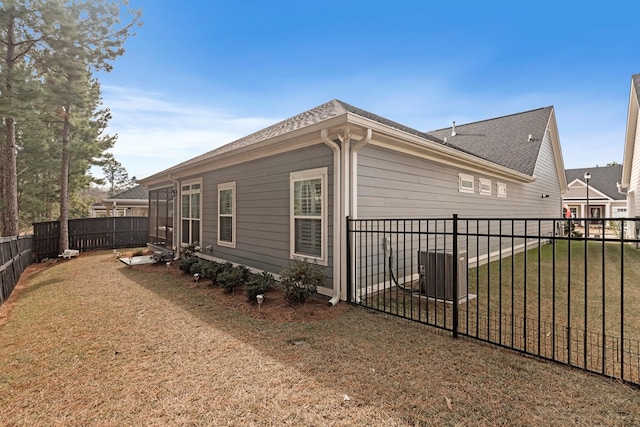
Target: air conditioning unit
[(435, 270)]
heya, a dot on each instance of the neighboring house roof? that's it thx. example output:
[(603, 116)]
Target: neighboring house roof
[(503, 140), (604, 179), (138, 192), (630, 136)]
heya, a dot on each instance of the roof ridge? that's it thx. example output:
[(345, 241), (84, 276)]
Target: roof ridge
[(493, 118)]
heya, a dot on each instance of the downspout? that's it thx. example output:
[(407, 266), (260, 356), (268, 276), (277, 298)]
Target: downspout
[(176, 220), (354, 169), (337, 219), (351, 163)]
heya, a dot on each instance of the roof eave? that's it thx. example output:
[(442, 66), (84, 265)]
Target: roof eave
[(130, 201), (437, 151), (307, 134)]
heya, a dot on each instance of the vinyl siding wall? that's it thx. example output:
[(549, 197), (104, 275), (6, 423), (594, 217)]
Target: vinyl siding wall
[(262, 208), (396, 185), (634, 184)]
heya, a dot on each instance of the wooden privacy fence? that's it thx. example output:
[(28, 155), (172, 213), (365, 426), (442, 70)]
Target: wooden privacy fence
[(15, 256), (87, 234)]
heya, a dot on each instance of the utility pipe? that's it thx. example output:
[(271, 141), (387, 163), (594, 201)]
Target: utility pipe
[(351, 204), (176, 220), (337, 220)]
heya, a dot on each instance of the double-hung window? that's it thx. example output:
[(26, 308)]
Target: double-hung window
[(227, 214), (190, 203), (308, 194)]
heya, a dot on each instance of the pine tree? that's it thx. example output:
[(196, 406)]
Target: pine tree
[(89, 37), (24, 30), (115, 175)]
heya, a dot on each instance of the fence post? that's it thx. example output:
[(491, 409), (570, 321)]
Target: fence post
[(456, 260), (348, 260)]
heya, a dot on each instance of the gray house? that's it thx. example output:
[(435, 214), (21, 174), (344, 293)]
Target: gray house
[(605, 201), (284, 192), (131, 202)]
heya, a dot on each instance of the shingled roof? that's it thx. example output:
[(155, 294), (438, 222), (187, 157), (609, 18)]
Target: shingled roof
[(603, 178), (503, 140), (134, 193), (636, 83), (315, 115)]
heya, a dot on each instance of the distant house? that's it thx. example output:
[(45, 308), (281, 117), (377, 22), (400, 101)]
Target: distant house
[(630, 182), (131, 202), (285, 191), (605, 201)]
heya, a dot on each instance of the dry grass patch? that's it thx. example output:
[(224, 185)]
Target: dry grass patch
[(93, 342)]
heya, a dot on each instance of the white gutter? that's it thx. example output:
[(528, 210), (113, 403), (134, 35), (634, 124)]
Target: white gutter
[(337, 220)]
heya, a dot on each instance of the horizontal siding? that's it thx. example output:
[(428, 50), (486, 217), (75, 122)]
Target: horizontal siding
[(397, 185), (262, 207), (392, 184)]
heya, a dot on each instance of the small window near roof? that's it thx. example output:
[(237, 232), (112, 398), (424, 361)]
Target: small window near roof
[(502, 189), (485, 186), (465, 183)]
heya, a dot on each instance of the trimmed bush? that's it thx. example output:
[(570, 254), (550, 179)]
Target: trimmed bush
[(210, 270), (300, 279), (258, 284), (186, 262), (198, 265), (230, 278)]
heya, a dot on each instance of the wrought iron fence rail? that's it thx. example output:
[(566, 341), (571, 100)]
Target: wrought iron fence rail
[(532, 285)]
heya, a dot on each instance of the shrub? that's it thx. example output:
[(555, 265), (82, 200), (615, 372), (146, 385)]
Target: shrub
[(300, 279), (199, 266), (258, 284), (210, 270), (186, 262), (230, 278)]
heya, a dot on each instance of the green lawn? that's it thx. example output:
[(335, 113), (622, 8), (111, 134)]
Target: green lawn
[(541, 302)]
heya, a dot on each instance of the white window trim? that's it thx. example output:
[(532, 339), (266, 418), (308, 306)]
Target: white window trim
[(319, 173), (228, 186), (179, 202), (484, 186), (501, 189), (463, 177)]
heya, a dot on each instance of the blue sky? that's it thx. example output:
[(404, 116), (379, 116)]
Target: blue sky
[(201, 74)]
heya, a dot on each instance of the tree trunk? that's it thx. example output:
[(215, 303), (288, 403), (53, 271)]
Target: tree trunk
[(64, 180), (9, 181)]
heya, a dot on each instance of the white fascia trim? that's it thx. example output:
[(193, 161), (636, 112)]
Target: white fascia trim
[(630, 136), (552, 127)]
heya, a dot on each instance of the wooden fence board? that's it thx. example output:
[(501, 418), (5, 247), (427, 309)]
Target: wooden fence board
[(87, 234), (15, 256)]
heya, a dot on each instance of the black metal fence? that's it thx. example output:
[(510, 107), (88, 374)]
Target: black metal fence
[(537, 286), (90, 233), (15, 256)]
